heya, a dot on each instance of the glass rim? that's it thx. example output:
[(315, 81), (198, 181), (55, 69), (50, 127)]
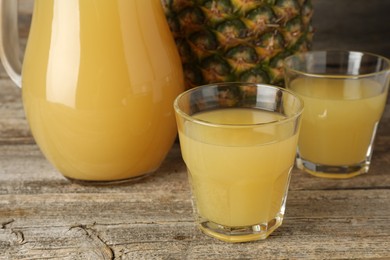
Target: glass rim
[(337, 76), (183, 114)]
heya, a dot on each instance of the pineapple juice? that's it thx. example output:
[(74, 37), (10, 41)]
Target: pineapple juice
[(98, 88), (339, 120), (239, 177)]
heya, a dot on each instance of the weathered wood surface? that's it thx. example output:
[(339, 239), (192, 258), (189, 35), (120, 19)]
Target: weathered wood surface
[(44, 216)]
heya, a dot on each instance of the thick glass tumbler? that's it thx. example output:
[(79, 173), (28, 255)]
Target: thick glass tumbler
[(238, 141), (345, 94)]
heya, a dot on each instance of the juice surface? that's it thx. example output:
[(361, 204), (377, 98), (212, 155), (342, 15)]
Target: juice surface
[(99, 79), (339, 119), (239, 176)]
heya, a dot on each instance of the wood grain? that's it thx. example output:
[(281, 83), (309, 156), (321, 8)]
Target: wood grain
[(43, 215)]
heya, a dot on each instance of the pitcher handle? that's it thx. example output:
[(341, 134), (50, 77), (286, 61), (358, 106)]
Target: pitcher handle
[(9, 40)]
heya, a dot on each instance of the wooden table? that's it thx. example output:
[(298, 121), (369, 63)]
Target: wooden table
[(44, 216)]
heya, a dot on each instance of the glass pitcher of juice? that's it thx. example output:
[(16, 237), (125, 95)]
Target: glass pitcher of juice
[(98, 82)]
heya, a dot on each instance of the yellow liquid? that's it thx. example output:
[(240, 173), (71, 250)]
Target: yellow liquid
[(99, 80), (339, 119), (239, 176)]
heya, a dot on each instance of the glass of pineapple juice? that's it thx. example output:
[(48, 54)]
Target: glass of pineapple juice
[(345, 94), (238, 141)]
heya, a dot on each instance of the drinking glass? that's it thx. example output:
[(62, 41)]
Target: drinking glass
[(345, 94), (238, 141)]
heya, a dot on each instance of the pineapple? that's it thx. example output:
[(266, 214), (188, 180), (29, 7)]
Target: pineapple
[(238, 40)]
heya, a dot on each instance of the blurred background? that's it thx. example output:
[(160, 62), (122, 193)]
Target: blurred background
[(359, 25)]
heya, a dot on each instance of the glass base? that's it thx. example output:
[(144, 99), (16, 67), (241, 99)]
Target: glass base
[(110, 182), (240, 234), (332, 171)]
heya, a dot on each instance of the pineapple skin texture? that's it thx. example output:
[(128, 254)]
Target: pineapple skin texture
[(238, 40)]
